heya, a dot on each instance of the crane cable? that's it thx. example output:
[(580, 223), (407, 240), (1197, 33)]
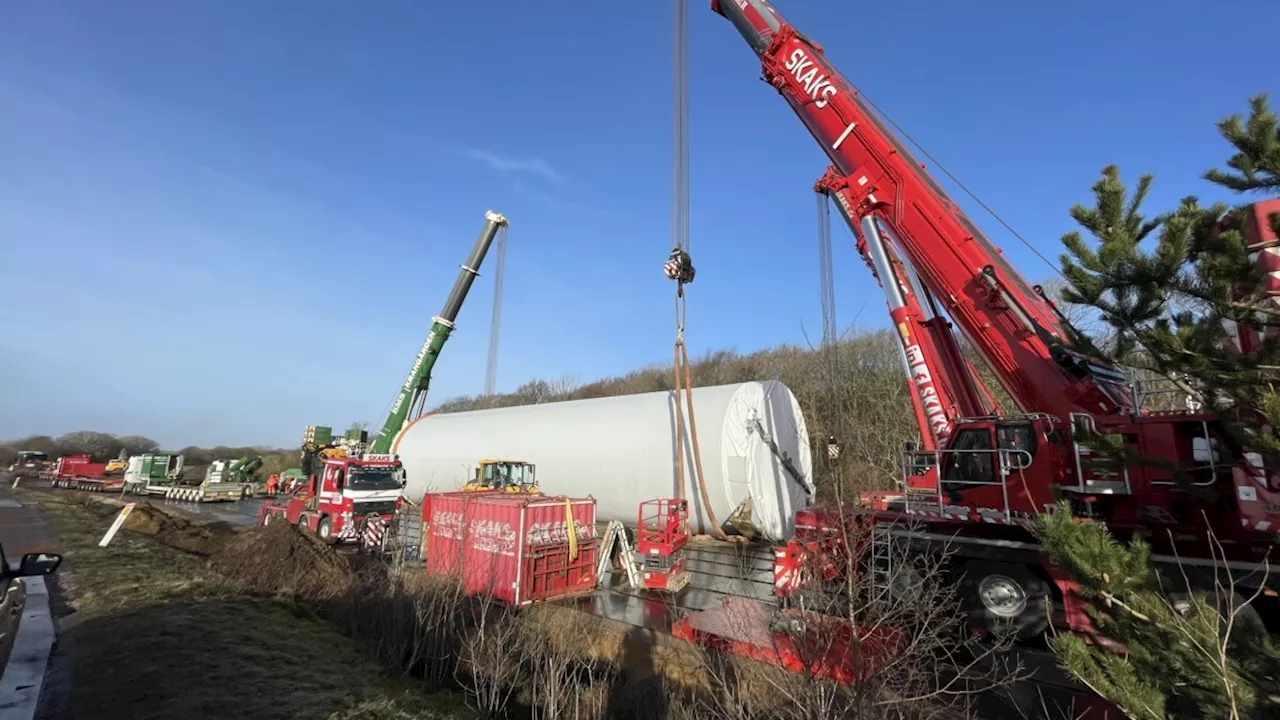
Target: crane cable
[(491, 368), (964, 188), (679, 266)]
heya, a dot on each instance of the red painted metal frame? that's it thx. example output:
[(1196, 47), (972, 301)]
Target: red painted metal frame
[(828, 647)]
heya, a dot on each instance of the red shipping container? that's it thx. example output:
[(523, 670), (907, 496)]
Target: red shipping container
[(513, 547), (69, 466)]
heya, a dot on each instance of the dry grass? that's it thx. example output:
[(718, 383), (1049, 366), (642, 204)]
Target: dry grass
[(156, 633), (161, 633)]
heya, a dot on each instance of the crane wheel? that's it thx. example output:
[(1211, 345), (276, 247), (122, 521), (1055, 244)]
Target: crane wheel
[(325, 529), (1226, 604), (304, 522), (1005, 599)]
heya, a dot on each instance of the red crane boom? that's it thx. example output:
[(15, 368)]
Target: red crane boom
[(1008, 323), (988, 476), (943, 383)]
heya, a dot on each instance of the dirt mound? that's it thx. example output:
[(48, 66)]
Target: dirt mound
[(177, 531), (281, 559)]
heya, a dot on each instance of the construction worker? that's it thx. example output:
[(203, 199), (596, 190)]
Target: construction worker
[(272, 481)]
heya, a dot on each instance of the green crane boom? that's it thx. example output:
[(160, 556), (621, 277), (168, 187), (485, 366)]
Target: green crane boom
[(413, 393)]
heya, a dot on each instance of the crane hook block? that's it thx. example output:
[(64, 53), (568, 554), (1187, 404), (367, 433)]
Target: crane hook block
[(679, 267)]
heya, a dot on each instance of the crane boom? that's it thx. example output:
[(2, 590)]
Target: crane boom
[(1009, 323), (944, 387), (413, 392), (935, 264)]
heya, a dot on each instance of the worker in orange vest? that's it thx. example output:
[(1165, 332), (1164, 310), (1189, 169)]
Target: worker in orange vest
[(272, 481)]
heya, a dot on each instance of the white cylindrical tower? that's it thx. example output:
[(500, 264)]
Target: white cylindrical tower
[(621, 450)]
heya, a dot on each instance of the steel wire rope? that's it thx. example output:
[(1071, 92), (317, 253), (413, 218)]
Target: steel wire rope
[(491, 368), (964, 188), (679, 267)]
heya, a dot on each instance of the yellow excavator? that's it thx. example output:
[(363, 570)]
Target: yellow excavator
[(118, 465), (510, 476)]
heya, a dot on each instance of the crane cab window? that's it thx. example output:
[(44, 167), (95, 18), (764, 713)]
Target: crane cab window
[(1019, 439), (503, 475), (970, 459), (495, 476)]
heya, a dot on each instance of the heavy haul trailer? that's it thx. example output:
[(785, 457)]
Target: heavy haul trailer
[(79, 472), (983, 474), (235, 479)]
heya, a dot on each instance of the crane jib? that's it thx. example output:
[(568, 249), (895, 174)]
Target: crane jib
[(990, 303)]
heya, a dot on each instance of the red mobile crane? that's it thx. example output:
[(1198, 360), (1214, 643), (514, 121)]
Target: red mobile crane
[(936, 402), (981, 477)]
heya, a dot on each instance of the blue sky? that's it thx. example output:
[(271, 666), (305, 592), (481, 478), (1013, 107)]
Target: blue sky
[(225, 220)]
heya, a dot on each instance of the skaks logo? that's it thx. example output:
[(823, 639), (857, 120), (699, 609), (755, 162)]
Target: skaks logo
[(809, 74)]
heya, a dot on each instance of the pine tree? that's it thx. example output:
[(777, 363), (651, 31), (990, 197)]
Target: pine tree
[(1165, 286), (1209, 659)]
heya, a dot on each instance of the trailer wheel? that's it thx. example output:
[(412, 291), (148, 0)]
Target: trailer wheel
[(325, 528), (1246, 613), (1004, 598)]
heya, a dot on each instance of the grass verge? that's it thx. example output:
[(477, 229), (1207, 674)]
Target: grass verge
[(153, 632)]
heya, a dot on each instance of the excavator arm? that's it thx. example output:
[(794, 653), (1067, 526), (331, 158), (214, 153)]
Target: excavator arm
[(413, 392)]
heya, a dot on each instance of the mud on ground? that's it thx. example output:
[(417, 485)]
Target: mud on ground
[(279, 559)]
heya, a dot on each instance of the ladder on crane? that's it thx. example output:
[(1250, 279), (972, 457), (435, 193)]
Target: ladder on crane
[(881, 550)]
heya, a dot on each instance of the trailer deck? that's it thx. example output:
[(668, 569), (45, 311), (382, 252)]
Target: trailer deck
[(199, 493), (110, 484)]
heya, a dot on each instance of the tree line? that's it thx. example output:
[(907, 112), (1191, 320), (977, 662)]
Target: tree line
[(103, 446)]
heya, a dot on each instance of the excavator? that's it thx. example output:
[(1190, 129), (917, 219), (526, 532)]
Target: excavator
[(974, 487), (118, 465)]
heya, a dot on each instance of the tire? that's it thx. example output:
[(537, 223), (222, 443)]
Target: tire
[(266, 519), (304, 522), (1005, 599), (325, 529), (1245, 613)]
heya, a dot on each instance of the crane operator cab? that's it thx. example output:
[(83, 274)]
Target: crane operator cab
[(511, 476)]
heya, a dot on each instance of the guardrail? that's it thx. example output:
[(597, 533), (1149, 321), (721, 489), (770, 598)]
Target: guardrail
[(15, 596)]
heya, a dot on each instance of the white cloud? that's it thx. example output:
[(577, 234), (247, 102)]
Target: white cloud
[(508, 164)]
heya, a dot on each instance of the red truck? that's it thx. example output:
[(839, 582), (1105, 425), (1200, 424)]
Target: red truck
[(79, 472), (341, 496)]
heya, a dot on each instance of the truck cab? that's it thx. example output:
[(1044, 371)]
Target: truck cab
[(342, 493), (29, 463)]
